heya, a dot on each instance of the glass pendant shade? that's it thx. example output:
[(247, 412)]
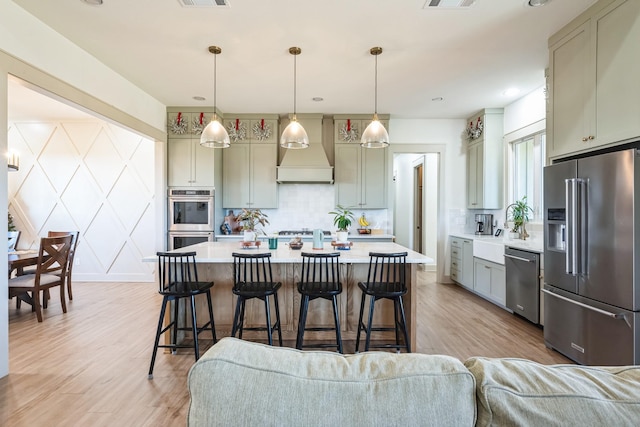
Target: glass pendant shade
[(375, 135), (214, 135), (294, 136)]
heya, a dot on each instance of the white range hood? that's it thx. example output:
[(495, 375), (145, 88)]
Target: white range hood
[(307, 165)]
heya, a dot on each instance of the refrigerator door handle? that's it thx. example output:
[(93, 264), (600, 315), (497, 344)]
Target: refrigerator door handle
[(597, 310), (570, 209)]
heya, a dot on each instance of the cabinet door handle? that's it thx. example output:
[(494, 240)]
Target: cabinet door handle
[(585, 139), (591, 137), (487, 267)]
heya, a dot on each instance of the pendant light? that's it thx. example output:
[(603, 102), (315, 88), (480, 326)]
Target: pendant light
[(375, 135), (214, 135), (294, 135)]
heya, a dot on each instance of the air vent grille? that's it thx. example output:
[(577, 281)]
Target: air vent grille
[(204, 3), (448, 4)]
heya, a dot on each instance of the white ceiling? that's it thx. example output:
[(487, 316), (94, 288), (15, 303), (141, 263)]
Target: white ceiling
[(469, 57)]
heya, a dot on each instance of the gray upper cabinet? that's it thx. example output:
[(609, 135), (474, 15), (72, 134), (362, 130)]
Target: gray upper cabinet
[(249, 164), (249, 176), (360, 173), (484, 161), (189, 164), (360, 178), (594, 64)]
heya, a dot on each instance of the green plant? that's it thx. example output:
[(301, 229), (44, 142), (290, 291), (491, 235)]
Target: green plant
[(519, 214), (343, 217), (250, 218), (12, 226)]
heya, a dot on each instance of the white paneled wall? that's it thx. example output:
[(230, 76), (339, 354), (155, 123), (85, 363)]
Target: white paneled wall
[(89, 176)]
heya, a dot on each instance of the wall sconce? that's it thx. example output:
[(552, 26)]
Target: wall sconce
[(13, 161)]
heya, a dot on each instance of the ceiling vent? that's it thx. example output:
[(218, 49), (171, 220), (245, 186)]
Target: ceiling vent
[(448, 4), (204, 3)]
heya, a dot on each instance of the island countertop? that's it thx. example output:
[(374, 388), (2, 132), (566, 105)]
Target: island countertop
[(221, 252)]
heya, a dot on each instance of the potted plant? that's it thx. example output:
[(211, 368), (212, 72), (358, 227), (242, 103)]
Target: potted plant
[(250, 218), (12, 233), (519, 215), (342, 219)]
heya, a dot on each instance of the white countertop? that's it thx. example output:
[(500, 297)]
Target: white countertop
[(220, 252), (309, 237), (534, 245)]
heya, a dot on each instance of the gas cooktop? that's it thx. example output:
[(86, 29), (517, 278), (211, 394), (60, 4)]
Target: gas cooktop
[(306, 232)]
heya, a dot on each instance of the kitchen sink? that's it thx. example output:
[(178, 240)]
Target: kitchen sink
[(491, 250)]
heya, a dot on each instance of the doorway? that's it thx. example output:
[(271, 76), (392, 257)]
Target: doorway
[(416, 194), (418, 191)]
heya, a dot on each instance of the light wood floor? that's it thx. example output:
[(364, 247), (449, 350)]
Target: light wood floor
[(88, 367)]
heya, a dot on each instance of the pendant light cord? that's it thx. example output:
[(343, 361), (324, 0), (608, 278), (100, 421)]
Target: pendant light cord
[(294, 84), (375, 107), (215, 73)]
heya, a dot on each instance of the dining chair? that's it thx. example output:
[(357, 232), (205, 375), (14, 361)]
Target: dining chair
[(13, 239), (72, 252), (51, 269)]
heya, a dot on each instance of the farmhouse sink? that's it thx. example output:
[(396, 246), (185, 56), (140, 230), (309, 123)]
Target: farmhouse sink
[(491, 250)]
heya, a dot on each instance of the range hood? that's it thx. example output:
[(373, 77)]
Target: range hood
[(307, 165)]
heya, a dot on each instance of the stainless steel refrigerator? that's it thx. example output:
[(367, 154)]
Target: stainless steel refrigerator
[(591, 258)]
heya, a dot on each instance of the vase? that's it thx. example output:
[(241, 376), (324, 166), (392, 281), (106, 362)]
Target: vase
[(523, 232), (249, 236), (342, 236)]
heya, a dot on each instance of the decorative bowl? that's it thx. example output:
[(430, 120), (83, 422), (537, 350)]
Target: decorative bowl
[(364, 231)]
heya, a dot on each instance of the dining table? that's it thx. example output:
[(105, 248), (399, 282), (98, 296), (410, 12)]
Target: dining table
[(18, 260)]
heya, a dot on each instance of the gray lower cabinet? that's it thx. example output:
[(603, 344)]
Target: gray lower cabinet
[(462, 261), (490, 280)]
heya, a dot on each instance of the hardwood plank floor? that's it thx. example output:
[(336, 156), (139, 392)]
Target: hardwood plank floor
[(88, 367)]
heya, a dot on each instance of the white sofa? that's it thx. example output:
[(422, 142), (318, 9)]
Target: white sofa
[(239, 383)]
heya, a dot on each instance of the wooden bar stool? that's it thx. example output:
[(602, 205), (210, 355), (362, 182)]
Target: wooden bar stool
[(386, 279), (320, 278), (178, 279), (253, 279)]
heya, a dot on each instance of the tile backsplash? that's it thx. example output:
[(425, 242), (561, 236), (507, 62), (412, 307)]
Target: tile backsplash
[(308, 205)]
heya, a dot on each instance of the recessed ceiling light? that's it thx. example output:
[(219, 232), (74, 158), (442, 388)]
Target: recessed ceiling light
[(93, 2), (317, 98), (511, 92), (199, 98), (437, 99), (538, 3)]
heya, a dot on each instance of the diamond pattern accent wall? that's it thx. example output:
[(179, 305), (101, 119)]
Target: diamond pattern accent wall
[(90, 176)]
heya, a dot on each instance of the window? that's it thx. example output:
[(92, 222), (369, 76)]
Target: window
[(527, 161)]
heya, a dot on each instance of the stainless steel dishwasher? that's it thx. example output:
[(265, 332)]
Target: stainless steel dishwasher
[(523, 277)]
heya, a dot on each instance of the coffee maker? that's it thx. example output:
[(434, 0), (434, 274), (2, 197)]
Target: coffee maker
[(484, 224)]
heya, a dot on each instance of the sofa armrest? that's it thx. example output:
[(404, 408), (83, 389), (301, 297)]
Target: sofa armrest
[(522, 392)]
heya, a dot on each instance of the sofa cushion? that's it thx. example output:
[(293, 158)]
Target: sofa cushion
[(242, 383), (522, 392)]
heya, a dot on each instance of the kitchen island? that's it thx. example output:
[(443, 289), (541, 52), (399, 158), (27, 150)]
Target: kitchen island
[(215, 263)]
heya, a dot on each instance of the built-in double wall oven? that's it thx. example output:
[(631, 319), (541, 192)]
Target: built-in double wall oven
[(190, 217)]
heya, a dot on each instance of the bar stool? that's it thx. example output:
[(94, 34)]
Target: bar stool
[(178, 279), (385, 280), (320, 278), (253, 279)]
